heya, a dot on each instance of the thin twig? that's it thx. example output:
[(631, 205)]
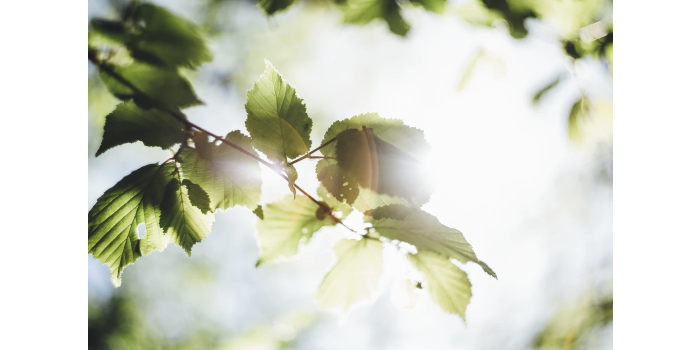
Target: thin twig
[(308, 155)]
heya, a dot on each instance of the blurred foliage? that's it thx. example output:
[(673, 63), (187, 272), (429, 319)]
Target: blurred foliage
[(119, 323), (574, 326)]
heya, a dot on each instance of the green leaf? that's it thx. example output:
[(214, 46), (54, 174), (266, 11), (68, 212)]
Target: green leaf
[(467, 76), (229, 177), (448, 286), (277, 119), (369, 147), (437, 6), (333, 203), (544, 90), (292, 177), (129, 123), (183, 222), (364, 11), (391, 211), (427, 233), (579, 112), (148, 85), (166, 39), (198, 197), (113, 220), (356, 275), (272, 6), (288, 222)]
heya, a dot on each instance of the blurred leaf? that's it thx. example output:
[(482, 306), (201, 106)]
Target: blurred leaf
[(183, 222), (437, 6), (515, 13), (277, 119), (579, 111), (230, 177), (146, 84), (355, 277), (128, 123), (155, 35), (272, 6), (544, 90), (365, 11), (427, 233), (467, 76), (166, 39), (397, 149), (448, 286), (112, 222), (288, 222), (476, 13)]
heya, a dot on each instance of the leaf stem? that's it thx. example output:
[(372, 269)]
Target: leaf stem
[(308, 155)]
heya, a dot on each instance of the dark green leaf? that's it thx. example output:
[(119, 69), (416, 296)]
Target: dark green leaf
[(130, 123), (272, 6), (437, 6), (148, 85), (230, 177), (198, 197), (259, 212), (277, 119)]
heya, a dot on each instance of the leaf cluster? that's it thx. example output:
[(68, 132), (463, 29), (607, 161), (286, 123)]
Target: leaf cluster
[(368, 163)]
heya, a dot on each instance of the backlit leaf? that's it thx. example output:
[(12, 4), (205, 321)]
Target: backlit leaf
[(448, 286), (229, 178), (288, 222), (355, 277), (183, 222), (277, 119), (130, 123), (113, 220), (427, 233)]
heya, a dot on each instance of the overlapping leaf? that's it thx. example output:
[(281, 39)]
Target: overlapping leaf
[(148, 85), (448, 286), (227, 175), (277, 119), (426, 233), (381, 156), (130, 123), (182, 222), (155, 35), (113, 220), (355, 277), (287, 223)]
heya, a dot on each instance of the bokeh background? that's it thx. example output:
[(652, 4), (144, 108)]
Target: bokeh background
[(535, 202)]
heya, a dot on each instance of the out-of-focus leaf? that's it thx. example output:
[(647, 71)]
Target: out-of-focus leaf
[(272, 6), (544, 90), (364, 11), (277, 119), (448, 286), (180, 219), (427, 233), (229, 176), (515, 13), (476, 13), (146, 84), (397, 149), (467, 76), (112, 222), (166, 39), (288, 222), (129, 123), (579, 111), (355, 277), (437, 6)]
